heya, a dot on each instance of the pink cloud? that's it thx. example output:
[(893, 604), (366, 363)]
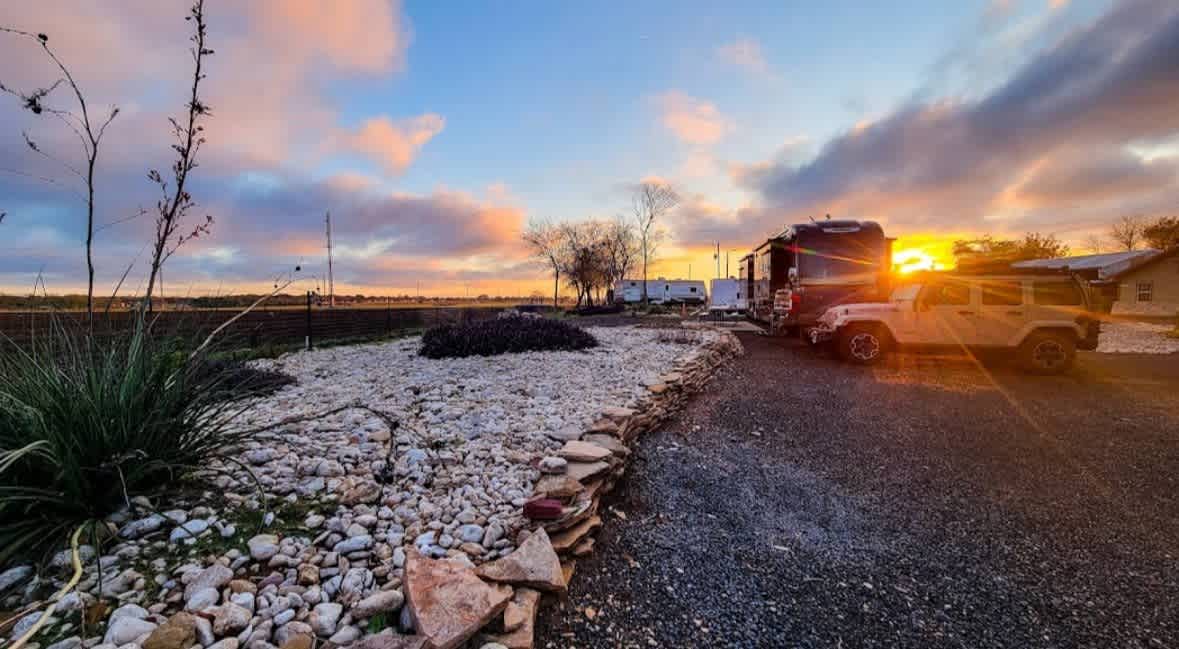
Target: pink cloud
[(691, 120), (395, 144)]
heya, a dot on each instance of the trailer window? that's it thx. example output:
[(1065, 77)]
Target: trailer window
[(1056, 294)]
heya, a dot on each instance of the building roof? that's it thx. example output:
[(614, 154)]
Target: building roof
[(1107, 264), (1169, 254)]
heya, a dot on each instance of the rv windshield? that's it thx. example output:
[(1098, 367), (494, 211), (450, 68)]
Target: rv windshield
[(844, 255)]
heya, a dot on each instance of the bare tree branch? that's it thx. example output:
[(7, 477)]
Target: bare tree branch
[(33, 101), (649, 203), (176, 200)]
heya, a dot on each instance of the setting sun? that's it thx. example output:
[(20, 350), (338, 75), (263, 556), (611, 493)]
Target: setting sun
[(916, 252), (911, 260)]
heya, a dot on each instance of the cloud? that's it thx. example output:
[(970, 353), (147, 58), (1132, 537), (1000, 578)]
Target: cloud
[(960, 163), (394, 144), (691, 120), (745, 53), (274, 85)]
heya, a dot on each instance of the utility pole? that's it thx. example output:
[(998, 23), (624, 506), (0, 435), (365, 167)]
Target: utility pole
[(716, 257), (331, 280)]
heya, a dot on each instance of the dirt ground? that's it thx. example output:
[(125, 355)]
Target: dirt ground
[(928, 502)]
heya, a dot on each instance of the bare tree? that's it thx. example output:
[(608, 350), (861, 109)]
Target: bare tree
[(544, 242), (176, 201), (584, 258), (622, 248), (650, 202), (1094, 244), (1162, 233), (1127, 232), (79, 122)]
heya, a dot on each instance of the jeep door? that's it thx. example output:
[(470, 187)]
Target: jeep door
[(1002, 313), (945, 312)]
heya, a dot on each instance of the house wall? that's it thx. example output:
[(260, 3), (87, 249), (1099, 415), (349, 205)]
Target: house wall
[(1163, 277)]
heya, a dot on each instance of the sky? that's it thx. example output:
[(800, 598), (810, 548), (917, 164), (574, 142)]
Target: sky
[(434, 132)]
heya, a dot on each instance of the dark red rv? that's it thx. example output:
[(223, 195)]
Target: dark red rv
[(811, 267)]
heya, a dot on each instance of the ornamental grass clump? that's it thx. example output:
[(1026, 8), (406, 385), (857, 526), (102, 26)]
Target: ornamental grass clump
[(504, 336), (89, 422)]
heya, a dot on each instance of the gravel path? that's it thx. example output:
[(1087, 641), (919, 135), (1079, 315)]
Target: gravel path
[(930, 502)]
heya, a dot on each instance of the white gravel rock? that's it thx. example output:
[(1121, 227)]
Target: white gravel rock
[(263, 546), (1136, 338), (14, 576), (457, 471), (202, 599), (127, 629), (324, 618)]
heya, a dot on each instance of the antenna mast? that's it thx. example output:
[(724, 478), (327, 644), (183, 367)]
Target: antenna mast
[(331, 282)]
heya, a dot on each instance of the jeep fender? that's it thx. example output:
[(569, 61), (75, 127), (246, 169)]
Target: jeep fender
[(1034, 327), (888, 335)]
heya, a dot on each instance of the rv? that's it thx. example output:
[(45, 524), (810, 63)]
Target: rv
[(726, 295), (661, 291), (809, 267)]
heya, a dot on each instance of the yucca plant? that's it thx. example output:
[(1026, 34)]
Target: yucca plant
[(88, 422)]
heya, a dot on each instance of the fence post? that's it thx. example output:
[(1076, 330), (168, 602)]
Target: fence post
[(307, 339)]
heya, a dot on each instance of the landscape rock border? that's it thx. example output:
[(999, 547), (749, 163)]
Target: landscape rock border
[(596, 474)]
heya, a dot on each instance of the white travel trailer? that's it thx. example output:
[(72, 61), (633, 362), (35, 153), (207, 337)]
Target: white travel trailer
[(726, 295), (661, 291)]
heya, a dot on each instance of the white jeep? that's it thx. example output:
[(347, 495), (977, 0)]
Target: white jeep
[(1044, 318)]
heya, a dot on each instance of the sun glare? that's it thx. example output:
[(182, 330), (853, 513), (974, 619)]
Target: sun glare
[(912, 260)]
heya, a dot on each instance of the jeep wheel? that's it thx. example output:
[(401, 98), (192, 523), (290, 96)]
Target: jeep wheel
[(860, 344), (1048, 353)]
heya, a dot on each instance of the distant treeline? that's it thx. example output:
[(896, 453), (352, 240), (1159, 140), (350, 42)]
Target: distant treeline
[(78, 302)]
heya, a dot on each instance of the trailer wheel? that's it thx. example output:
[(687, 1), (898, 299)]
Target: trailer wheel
[(861, 344)]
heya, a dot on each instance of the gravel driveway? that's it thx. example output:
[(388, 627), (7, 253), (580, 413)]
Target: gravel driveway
[(929, 502)]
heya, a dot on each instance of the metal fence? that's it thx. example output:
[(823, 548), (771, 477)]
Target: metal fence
[(257, 328)]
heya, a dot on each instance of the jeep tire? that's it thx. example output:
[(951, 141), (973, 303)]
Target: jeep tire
[(861, 344), (1048, 352)]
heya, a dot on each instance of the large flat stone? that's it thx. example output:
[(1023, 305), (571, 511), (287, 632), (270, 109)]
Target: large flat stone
[(389, 640), (579, 451), (608, 442), (560, 487), (581, 470), (564, 541), (448, 602), (617, 413), (534, 564), (520, 614), (603, 426)]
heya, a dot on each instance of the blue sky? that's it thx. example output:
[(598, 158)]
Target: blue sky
[(434, 131)]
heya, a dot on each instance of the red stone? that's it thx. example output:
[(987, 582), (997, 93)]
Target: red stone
[(543, 509)]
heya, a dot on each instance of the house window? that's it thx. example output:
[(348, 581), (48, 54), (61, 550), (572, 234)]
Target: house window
[(1145, 291), (693, 289)]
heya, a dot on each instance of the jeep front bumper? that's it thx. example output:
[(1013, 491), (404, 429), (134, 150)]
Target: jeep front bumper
[(819, 333)]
